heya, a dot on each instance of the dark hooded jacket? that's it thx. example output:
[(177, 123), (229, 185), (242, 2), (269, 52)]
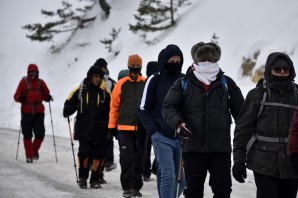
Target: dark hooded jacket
[(265, 157), (92, 106), (208, 114), (154, 93)]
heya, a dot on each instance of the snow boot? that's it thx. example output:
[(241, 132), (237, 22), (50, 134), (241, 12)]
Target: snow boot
[(110, 166), (136, 193), (36, 145), (28, 150), (83, 182), (127, 193), (83, 172)]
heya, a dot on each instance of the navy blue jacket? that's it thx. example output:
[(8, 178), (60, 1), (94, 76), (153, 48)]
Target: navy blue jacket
[(154, 93)]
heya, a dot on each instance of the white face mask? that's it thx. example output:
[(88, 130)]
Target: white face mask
[(106, 76)]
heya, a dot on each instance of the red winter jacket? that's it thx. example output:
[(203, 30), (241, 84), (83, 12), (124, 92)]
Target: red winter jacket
[(34, 96), (293, 135)]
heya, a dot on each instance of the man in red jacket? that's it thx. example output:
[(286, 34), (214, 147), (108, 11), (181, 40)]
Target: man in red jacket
[(30, 93)]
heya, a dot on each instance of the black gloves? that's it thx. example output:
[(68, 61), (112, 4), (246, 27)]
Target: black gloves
[(239, 172), (50, 98), (183, 130), (294, 162), (23, 98)]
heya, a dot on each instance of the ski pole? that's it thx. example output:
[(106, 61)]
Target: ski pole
[(180, 166), (18, 141), (71, 142), (53, 131)]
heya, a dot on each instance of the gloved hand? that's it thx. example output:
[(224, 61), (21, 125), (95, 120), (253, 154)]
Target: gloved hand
[(294, 162), (114, 132), (50, 98), (183, 130), (23, 98), (239, 172)]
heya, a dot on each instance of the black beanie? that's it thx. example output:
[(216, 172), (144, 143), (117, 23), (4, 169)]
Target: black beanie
[(95, 70), (100, 62), (202, 52), (152, 67)]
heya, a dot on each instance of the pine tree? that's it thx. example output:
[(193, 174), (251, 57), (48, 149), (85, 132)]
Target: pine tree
[(154, 15), (66, 19)]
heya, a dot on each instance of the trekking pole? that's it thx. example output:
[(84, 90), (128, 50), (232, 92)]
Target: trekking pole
[(53, 131), (71, 142), (18, 141), (180, 166)]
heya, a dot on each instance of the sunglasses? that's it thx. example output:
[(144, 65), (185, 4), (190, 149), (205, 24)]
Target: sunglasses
[(279, 69)]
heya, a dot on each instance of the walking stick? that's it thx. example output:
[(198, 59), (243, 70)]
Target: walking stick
[(53, 131), (71, 142), (18, 141), (180, 166)]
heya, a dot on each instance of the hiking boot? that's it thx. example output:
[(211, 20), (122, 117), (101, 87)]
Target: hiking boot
[(110, 166), (83, 182), (136, 193), (95, 184), (127, 193), (36, 156), (102, 181), (29, 160), (146, 178)]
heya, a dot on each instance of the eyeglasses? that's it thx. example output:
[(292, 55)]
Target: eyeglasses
[(279, 69)]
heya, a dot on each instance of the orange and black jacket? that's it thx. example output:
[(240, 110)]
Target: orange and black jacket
[(125, 100), (92, 106)]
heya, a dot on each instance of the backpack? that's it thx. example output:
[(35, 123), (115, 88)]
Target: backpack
[(223, 81), (263, 103), (29, 84)]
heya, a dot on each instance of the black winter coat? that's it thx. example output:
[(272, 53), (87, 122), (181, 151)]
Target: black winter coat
[(207, 113), (92, 114), (266, 158)]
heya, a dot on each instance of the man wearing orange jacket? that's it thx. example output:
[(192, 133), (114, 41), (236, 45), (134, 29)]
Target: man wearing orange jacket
[(123, 119)]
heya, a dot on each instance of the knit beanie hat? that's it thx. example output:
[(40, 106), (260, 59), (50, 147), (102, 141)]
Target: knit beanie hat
[(134, 60), (123, 73), (202, 52), (152, 67), (100, 62), (95, 70)]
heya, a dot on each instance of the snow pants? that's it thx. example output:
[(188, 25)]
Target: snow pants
[(270, 187), (196, 166)]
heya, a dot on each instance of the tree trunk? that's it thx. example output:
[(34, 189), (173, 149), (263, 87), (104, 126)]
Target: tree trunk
[(105, 6)]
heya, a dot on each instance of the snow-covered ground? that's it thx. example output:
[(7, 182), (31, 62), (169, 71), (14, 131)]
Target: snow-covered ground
[(47, 179)]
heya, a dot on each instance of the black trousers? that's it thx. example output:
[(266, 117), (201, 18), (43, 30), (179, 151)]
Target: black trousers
[(196, 166), (271, 187), (130, 161), (33, 124), (110, 151), (147, 157)]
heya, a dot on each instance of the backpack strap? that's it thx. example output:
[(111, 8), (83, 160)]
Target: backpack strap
[(28, 83), (224, 83), (264, 99), (80, 97), (184, 82)]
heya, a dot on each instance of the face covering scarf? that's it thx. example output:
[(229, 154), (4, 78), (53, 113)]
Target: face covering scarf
[(205, 72)]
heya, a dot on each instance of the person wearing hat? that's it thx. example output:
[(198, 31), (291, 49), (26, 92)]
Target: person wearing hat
[(110, 83), (262, 129), (91, 101), (166, 143), (199, 106), (31, 92), (123, 119)]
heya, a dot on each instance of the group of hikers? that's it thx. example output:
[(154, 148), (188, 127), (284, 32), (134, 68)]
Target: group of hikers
[(187, 119)]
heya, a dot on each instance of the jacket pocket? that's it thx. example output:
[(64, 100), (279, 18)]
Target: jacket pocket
[(263, 158)]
